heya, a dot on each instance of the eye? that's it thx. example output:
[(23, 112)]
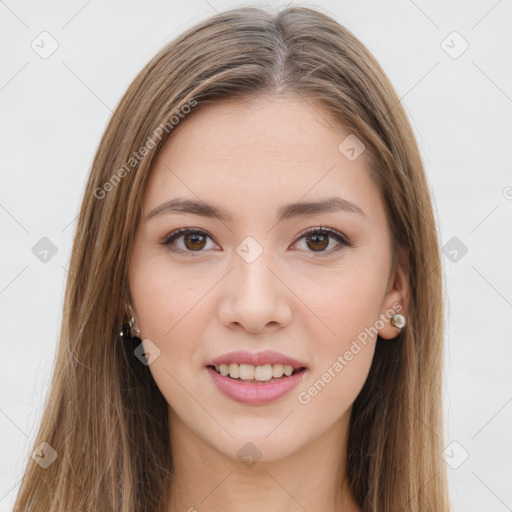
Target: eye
[(318, 239), (194, 241)]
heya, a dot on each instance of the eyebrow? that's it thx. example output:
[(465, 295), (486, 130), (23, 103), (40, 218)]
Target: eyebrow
[(203, 209)]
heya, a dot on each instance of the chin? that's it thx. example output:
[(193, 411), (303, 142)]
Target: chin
[(251, 445)]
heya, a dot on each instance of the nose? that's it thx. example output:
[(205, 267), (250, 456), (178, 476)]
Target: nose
[(254, 296)]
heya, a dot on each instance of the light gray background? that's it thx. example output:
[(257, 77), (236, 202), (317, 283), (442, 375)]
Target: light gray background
[(54, 110)]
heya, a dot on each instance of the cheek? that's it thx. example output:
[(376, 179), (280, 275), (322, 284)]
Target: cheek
[(171, 314), (342, 346), (332, 388), (342, 308), (346, 300), (165, 296)]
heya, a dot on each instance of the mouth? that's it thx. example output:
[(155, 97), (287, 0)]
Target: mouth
[(256, 378), (255, 385), (256, 374)]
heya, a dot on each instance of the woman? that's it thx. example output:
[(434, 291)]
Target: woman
[(253, 316)]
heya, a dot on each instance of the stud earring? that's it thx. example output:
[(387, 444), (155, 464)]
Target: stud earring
[(398, 321)]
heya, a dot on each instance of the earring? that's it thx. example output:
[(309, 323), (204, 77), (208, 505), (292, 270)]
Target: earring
[(128, 332), (398, 321)]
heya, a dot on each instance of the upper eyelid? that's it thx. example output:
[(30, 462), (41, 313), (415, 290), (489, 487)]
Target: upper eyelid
[(329, 231)]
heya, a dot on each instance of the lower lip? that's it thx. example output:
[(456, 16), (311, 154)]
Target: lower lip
[(255, 393)]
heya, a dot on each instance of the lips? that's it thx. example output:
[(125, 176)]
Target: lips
[(256, 378), (255, 393)]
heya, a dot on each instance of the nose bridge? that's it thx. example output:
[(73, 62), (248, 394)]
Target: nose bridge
[(252, 263), (255, 296)]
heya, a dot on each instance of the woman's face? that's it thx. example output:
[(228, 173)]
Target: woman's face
[(249, 279)]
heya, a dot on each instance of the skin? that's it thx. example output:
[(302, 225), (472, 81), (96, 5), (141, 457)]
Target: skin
[(251, 158)]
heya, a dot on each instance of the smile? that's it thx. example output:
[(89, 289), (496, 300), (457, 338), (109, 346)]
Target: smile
[(251, 390), (252, 373)]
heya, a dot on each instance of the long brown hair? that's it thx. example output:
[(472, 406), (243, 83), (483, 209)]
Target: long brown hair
[(104, 415)]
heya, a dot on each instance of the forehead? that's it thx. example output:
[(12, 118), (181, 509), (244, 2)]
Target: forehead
[(246, 154)]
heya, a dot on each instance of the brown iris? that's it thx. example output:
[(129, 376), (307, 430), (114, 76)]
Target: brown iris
[(196, 240), (319, 241)]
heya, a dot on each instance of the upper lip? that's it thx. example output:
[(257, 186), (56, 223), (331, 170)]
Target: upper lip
[(256, 359)]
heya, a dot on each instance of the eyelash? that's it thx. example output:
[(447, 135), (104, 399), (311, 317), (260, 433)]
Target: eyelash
[(344, 241)]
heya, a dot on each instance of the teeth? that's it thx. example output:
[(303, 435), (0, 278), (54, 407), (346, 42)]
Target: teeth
[(234, 371), (262, 373), (288, 370), (246, 371), (277, 370)]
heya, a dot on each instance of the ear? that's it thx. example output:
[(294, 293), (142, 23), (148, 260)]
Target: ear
[(397, 294)]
